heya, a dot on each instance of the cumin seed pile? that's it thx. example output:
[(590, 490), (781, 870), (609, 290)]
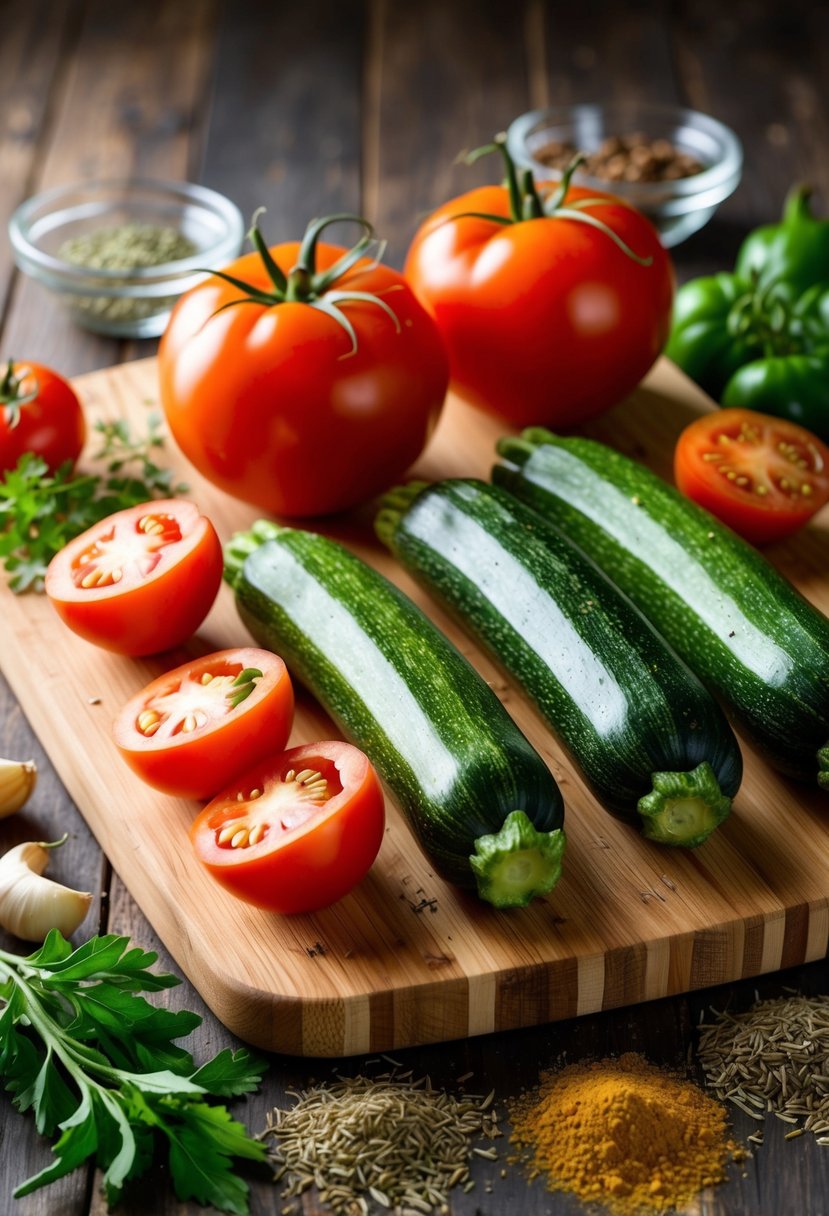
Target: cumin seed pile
[(389, 1139), (773, 1059)]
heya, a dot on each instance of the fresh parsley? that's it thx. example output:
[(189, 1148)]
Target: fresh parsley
[(40, 512), (97, 1062)]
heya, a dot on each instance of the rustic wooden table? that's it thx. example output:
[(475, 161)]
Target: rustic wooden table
[(325, 106)]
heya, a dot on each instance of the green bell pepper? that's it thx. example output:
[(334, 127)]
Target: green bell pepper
[(795, 251), (761, 348), (787, 386), (703, 340)]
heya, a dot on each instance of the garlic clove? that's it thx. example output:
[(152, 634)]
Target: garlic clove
[(31, 905), (17, 780)]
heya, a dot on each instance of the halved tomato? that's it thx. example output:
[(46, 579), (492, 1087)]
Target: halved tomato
[(140, 581), (296, 832), (764, 477), (192, 730)]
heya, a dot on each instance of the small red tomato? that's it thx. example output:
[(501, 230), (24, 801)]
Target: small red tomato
[(765, 477), (192, 730), (140, 581), (40, 413), (296, 832)]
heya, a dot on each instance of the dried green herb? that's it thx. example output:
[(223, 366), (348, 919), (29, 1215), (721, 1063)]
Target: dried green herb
[(772, 1059), (389, 1139), (126, 247)]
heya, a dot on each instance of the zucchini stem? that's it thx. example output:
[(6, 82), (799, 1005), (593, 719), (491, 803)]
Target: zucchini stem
[(394, 504), (684, 808), (518, 863), (823, 767)]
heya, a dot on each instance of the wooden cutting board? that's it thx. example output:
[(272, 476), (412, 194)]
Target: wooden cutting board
[(405, 959)]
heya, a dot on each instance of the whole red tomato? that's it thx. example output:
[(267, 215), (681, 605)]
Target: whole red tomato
[(765, 477), (40, 413), (305, 378), (554, 309)]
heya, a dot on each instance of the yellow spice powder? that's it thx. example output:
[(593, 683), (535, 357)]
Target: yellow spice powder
[(624, 1133)]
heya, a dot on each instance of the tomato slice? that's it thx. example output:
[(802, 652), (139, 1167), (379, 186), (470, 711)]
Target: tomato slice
[(192, 730), (765, 477), (297, 831), (140, 581)]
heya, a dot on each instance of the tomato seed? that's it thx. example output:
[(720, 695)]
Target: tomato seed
[(148, 721)]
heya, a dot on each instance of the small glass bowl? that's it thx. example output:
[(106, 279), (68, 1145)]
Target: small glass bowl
[(676, 208), (132, 303)]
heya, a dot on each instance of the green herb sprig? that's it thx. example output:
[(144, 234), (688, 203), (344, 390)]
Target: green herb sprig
[(40, 512), (97, 1062)]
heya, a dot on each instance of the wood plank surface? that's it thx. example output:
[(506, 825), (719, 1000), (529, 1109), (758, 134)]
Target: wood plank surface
[(629, 922), (760, 65)]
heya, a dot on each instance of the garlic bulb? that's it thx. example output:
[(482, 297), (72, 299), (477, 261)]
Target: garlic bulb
[(17, 780), (31, 905)]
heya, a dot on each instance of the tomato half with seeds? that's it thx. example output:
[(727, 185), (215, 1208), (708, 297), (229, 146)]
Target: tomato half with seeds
[(296, 832), (140, 581), (190, 731), (765, 477)]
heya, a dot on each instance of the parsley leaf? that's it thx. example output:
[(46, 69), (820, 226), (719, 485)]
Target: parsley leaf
[(96, 1062), (40, 512)]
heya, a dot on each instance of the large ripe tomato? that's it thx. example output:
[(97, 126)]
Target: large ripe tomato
[(141, 580), (314, 389), (40, 413), (296, 832), (195, 728), (765, 477), (547, 320)]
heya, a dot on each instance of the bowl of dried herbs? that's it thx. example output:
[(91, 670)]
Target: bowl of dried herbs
[(118, 253)]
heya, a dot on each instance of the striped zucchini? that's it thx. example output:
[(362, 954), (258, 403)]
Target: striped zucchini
[(651, 743), (743, 628), (481, 801)]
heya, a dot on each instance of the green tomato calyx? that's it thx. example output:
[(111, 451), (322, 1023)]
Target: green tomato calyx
[(304, 283), (12, 396), (528, 203)]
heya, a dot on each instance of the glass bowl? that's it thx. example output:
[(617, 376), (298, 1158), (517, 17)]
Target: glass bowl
[(132, 302), (676, 208)]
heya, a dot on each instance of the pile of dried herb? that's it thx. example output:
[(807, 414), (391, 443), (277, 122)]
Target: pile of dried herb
[(773, 1059), (126, 247), (388, 1139)]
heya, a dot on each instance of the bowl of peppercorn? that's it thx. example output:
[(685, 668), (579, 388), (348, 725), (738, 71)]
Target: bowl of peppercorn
[(119, 253), (673, 164)]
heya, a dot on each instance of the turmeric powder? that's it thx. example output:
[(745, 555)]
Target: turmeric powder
[(623, 1133)]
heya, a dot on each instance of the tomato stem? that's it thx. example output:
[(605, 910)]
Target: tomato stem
[(526, 203), (558, 198), (11, 395), (258, 241), (305, 284)]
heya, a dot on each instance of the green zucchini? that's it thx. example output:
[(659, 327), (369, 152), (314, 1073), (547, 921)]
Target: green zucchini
[(743, 628), (481, 801), (651, 743)]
